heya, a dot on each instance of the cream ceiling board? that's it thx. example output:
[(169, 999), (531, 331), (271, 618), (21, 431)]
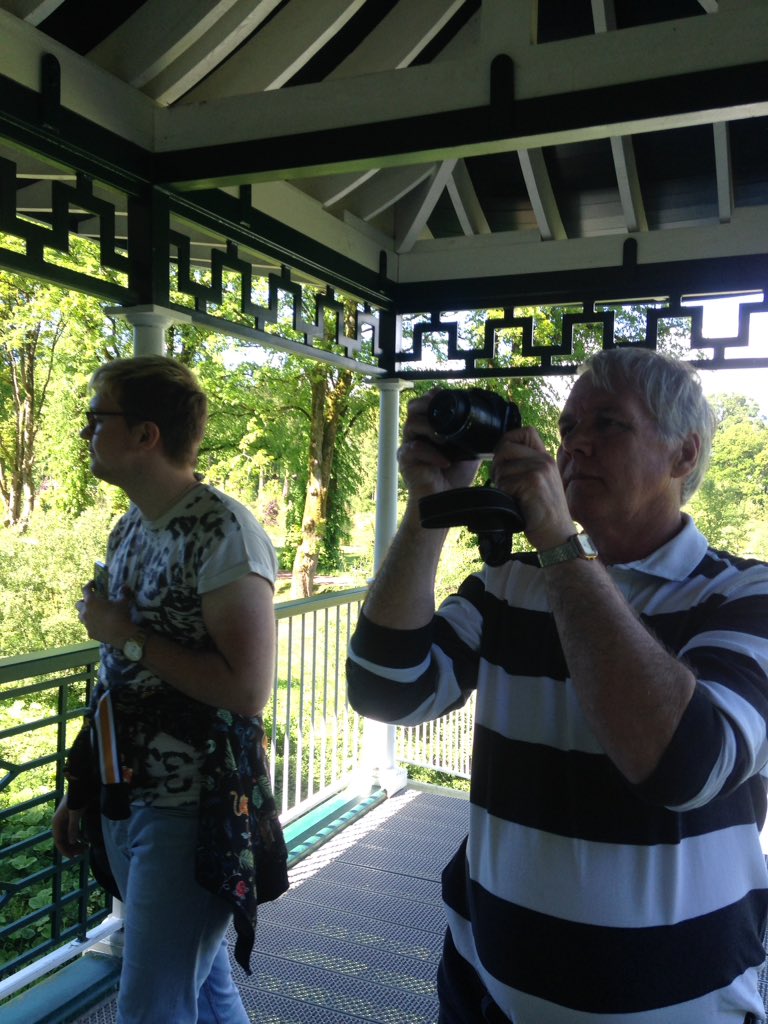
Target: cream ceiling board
[(522, 252), (336, 187), (35, 197), (295, 34), (399, 38), (723, 171), (628, 181), (31, 11), (541, 194), (467, 40), (502, 21), (465, 202), (85, 89), (386, 188), (192, 65), (156, 34)]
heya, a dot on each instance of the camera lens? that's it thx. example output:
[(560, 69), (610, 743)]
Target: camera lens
[(472, 420), (449, 411)]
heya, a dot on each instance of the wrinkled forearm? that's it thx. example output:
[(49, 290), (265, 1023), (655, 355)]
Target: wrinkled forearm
[(402, 596)]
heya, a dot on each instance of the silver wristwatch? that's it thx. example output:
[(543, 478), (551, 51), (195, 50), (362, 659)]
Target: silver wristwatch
[(577, 546)]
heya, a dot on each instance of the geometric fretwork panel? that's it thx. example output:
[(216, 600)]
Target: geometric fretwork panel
[(520, 341), (39, 218), (241, 291)]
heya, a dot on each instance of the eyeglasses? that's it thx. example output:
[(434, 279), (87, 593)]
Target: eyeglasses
[(92, 416)]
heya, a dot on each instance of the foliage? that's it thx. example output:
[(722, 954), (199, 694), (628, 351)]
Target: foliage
[(24, 914), (51, 340), (730, 507), (432, 777), (42, 572)]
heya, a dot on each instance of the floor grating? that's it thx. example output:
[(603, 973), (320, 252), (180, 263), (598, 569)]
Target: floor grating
[(358, 935)]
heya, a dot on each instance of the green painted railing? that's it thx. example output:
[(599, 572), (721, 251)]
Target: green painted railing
[(45, 900), (49, 904), (50, 908)]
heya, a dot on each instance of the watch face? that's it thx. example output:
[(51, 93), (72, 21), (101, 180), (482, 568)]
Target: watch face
[(588, 549), (133, 649)]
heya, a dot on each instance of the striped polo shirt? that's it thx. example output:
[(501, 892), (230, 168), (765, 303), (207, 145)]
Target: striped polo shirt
[(579, 896)]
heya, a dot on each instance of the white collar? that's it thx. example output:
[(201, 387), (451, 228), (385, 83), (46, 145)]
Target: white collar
[(674, 560)]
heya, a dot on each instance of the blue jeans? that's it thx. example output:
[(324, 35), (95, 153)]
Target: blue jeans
[(176, 967)]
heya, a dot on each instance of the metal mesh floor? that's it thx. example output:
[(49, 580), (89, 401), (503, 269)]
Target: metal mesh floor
[(358, 935)]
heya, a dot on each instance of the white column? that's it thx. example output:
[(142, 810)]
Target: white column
[(379, 737), (386, 487), (150, 326)]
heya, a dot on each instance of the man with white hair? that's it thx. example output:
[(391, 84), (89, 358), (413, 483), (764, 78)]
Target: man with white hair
[(613, 869)]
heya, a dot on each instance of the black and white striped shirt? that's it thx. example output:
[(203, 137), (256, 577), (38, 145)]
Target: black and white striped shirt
[(578, 896)]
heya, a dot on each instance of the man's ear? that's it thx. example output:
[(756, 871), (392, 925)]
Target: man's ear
[(148, 434), (687, 456)]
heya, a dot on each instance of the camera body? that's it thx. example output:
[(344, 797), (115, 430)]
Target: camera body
[(472, 421)]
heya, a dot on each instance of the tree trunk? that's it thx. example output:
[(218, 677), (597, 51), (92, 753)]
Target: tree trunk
[(18, 451), (329, 395)]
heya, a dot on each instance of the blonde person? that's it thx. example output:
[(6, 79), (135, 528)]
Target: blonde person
[(187, 650)]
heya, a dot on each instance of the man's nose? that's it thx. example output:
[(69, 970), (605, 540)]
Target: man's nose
[(577, 439)]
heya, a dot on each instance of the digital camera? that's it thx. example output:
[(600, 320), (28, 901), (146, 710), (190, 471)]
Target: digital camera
[(472, 421)]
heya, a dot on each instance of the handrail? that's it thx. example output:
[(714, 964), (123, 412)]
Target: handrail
[(316, 743), (316, 747)]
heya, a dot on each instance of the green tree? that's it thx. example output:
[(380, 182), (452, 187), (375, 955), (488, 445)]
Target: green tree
[(51, 339), (732, 499)]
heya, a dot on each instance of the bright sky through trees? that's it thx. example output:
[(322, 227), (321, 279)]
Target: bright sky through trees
[(721, 321)]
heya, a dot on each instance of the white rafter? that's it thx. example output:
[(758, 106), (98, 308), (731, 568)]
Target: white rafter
[(387, 188), (622, 147), (282, 48), (167, 50), (632, 205), (413, 212), (465, 202), (541, 194), (604, 15), (399, 38), (334, 188), (723, 171)]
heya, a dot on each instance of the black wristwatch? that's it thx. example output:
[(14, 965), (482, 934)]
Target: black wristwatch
[(577, 546)]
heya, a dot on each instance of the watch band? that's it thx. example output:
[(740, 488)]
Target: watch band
[(577, 546)]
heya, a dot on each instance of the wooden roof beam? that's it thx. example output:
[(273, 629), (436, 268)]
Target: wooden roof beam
[(465, 202), (723, 171), (414, 212), (541, 194)]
